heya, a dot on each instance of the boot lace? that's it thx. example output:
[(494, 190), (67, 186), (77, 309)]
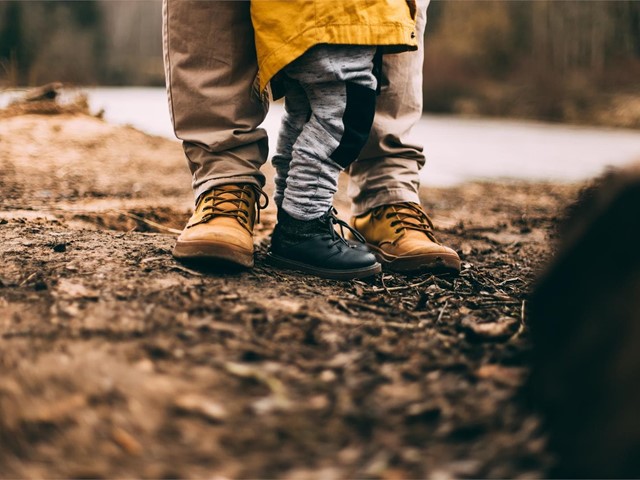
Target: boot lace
[(332, 219), (214, 199), (407, 216)]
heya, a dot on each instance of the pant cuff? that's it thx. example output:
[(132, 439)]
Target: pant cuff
[(386, 197), (210, 184)]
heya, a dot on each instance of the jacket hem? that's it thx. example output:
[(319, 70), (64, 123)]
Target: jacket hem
[(395, 37)]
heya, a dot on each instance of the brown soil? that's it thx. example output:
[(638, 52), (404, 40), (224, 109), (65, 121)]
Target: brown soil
[(115, 360)]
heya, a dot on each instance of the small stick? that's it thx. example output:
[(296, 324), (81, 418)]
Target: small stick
[(522, 321), (340, 320), (92, 212), (187, 270), (446, 303), (148, 222), (397, 289), (508, 280), (384, 286)]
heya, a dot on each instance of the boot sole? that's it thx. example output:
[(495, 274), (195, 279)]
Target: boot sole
[(350, 274), (436, 262), (212, 253)]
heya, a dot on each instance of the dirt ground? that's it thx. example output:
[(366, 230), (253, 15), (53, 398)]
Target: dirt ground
[(118, 361)]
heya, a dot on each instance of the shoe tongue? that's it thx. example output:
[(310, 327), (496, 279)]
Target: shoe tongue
[(403, 209), (230, 192)]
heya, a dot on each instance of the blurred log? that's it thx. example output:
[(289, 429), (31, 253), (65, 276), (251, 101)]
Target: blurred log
[(585, 323), (49, 91), (48, 100)]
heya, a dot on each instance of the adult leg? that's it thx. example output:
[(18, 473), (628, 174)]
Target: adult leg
[(210, 66), (387, 169), (384, 181)]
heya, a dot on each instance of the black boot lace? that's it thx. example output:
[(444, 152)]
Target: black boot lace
[(332, 219)]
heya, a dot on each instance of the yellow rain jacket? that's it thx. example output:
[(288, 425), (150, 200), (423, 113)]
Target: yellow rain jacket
[(285, 29)]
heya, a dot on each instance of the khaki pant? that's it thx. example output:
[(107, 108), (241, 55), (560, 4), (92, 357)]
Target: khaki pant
[(210, 65)]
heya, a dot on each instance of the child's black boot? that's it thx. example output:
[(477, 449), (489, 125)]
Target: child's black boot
[(315, 247)]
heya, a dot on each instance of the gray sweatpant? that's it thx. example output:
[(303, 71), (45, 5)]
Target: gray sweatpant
[(329, 109)]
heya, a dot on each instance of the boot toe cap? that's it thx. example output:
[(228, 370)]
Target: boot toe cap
[(351, 257), (206, 233), (425, 248)]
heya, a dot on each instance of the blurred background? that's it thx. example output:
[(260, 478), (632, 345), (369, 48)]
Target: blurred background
[(530, 89), (573, 61)]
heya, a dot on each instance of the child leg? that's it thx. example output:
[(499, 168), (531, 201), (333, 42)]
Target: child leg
[(340, 87), (297, 112)]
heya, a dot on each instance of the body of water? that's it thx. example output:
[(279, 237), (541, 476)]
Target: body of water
[(457, 149)]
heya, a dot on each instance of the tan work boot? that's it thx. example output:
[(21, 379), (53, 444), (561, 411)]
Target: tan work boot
[(221, 228), (401, 236)]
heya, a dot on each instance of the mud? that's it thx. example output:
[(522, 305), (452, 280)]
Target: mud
[(116, 360)]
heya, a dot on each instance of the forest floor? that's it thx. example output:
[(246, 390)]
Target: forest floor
[(118, 361)]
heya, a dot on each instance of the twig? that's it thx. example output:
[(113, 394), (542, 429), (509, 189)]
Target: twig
[(27, 280), (404, 287), (148, 222), (342, 304), (508, 280), (80, 211), (384, 286), (340, 320), (446, 304), (522, 321), (152, 259), (187, 270), (494, 304), (365, 306)]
